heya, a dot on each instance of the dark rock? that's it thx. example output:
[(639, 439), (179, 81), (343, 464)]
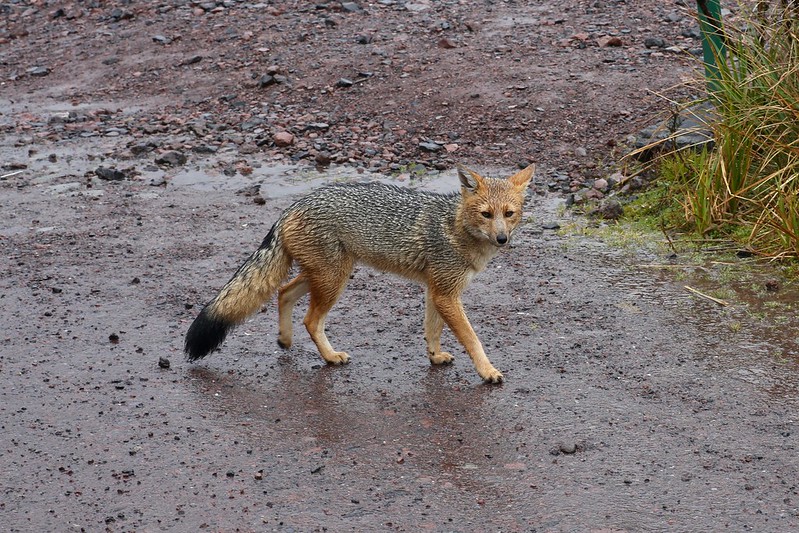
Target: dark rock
[(610, 209), (164, 363), (654, 42), (172, 158), (118, 14), (692, 33), (110, 174), (430, 146), (39, 71), (204, 149), (161, 39), (323, 159), (143, 147), (266, 80), (344, 82)]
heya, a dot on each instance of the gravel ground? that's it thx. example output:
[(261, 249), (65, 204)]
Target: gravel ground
[(148, 154)]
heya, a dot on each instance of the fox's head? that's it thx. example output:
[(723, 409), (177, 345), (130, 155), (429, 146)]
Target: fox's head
[(492, 208)]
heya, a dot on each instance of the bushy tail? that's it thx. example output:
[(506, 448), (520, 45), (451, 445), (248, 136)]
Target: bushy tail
[(252, 285)]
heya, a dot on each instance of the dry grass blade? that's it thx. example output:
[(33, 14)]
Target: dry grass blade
[(701, 294)]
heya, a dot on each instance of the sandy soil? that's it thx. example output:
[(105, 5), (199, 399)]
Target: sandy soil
[(629, 405)]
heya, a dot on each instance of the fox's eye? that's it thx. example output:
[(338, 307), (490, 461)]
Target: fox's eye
[(486, 214), (508, 214)]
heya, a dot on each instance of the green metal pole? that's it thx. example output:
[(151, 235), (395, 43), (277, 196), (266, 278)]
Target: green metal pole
[(713, 46)]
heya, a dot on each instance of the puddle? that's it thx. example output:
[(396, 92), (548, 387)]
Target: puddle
[(755, 338)]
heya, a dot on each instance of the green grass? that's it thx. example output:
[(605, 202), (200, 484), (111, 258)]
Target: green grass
[(746, 188)]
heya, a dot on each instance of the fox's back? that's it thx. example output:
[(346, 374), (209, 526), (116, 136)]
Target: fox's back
[(390, 227)]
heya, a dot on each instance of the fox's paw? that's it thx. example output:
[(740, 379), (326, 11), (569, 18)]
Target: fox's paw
[(492, 375), (440, 358), (337, 358), (283, 342)]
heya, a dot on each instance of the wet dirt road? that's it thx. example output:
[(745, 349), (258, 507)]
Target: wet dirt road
[(628, 406)]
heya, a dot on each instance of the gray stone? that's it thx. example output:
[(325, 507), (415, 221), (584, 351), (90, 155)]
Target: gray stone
[(172, 158), (110, 174), (430, 146)]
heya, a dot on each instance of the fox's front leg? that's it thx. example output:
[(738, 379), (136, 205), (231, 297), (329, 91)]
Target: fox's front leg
[(433, 326), (451, 310)]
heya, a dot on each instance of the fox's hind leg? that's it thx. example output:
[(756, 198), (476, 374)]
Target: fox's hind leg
[(287, 299), (326, 285), (433, 326)]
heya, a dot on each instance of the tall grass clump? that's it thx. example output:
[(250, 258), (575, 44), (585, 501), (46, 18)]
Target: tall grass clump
[(750, 178)]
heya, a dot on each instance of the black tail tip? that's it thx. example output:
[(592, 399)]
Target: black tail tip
[(205, 335)]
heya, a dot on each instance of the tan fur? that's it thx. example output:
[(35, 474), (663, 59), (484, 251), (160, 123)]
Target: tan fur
[(439, 240)]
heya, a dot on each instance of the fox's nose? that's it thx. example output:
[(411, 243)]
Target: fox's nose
[(502, 239)]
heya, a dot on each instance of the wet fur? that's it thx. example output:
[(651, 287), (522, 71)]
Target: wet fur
[(439, 240)]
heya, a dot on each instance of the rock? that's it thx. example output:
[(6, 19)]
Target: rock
[(654, 42), (610, 209), (248, 148), (614, 179), (317, 126), (344, 82), (601, 184), (692, 33), (550, 225), (583, 195), (110, 174), (580, 152), (322, 158), (568, 447), (39, 72), (674, 16), (164, 363), (609, 41), (416, 7), (161, 39), (430, 146), (350, 7), (204, 149), (172, 158), (447, 43), (772, 285), (118, 14), (266, 80), (283, 139)]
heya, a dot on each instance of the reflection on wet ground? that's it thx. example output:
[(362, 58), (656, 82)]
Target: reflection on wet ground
[(631, 405)]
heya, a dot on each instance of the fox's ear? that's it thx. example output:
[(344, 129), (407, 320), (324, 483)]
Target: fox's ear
[(522, 178), (470, 180)]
